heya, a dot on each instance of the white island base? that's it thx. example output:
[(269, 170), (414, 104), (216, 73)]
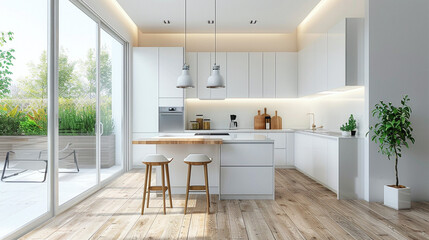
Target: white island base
[(240, 169)]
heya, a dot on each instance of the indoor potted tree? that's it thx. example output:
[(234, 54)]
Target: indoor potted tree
[(349, 127), (392, 132)]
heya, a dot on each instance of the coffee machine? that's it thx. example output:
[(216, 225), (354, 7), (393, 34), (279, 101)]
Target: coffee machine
[(233, 124)]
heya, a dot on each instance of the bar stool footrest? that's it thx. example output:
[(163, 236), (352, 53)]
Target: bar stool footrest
[(157, 188), (197, 188)]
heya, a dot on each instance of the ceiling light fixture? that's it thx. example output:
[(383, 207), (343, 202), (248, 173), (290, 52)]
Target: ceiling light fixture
[(215, 80), (185, 80)]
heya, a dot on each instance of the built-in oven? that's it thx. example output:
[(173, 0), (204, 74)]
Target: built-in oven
[(171, 119)]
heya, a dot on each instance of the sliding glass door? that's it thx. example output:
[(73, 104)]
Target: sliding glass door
[(89, 124), (110, 92), (91, 70), (24, 187), (77, 105)]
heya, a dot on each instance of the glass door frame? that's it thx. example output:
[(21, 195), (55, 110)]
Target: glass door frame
[(52, 114), (101, 24)]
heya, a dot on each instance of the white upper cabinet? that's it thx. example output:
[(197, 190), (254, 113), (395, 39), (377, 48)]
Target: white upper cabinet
[(355, 44), (238, 74), (346, 53), (204, 71), (221, 60), (246, 74), (269, 74), (255, 75), (145, 89), (286, 74), (334, 60), (170, 68), (192, 61), (337, 56), (313, 67)]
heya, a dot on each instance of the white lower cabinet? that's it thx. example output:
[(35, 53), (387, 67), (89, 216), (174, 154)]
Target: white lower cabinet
[(247, 155), (280, 157), (334, 162), (247, 180), (318, 158), (247, 170)]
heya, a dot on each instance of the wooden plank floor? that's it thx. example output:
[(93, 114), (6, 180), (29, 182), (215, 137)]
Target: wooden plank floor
[(303, 209)]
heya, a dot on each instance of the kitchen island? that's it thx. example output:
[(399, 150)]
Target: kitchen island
[(242, 168)]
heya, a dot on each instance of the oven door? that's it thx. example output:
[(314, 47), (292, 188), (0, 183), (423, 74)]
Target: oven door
[(171, 122)]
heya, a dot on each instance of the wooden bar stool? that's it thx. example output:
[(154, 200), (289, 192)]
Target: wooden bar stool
[(156, 160), (199, 160)]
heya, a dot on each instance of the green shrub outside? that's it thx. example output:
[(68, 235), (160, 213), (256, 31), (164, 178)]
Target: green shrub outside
[(75, 117)]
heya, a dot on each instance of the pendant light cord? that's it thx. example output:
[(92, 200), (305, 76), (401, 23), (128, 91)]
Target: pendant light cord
[(215, 30), (184, 49)]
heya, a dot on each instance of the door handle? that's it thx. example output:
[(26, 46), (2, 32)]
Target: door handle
[(101, 128)]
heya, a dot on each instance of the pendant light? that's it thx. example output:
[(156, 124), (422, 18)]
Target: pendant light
[(185, 80), (215, 80)]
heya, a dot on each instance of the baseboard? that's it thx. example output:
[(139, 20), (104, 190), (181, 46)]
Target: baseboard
[(285, 166)]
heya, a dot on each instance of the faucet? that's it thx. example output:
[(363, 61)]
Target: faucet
[(313, 126)]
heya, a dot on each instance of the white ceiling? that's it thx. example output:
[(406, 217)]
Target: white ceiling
[(233, 16)]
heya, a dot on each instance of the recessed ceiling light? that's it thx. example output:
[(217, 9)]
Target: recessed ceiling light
[(253, 21), (167, 22), (210, 21)]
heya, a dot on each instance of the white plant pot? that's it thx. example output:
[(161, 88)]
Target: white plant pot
[(345, 133), (397, 198)]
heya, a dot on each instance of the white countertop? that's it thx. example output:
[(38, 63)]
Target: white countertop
[(318, 132), (245, 130), (225, 138)]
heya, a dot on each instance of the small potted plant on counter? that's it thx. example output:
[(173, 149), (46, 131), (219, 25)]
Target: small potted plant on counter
[(392, 132), (349, 128)]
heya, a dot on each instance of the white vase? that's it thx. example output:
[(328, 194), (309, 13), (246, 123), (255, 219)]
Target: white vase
[(345, 133), (397, 198)]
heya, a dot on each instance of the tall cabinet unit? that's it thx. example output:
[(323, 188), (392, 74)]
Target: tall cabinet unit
[(145, 100), (155, 71), (170, 64)]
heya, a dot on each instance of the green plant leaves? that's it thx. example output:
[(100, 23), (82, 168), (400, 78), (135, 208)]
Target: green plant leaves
[(6, 60), (350, 125), (393, 129)]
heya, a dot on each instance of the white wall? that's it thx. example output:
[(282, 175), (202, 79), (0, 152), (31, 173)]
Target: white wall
[(334, 110), (399, 64), (331, 111), (225, 42)]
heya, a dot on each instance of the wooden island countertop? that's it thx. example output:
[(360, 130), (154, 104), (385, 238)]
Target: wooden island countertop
[(178, 141)]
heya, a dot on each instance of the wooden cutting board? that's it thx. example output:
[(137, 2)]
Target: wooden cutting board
[(259, 121), (276, 122), (265, 114)]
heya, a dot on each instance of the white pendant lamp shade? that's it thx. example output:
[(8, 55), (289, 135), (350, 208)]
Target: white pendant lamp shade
[(216, 80), (185, 80)]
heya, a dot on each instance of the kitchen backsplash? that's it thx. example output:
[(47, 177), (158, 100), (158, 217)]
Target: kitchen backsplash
[(331, 111)]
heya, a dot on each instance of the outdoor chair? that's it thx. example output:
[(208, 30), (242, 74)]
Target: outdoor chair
[(22, 161)]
